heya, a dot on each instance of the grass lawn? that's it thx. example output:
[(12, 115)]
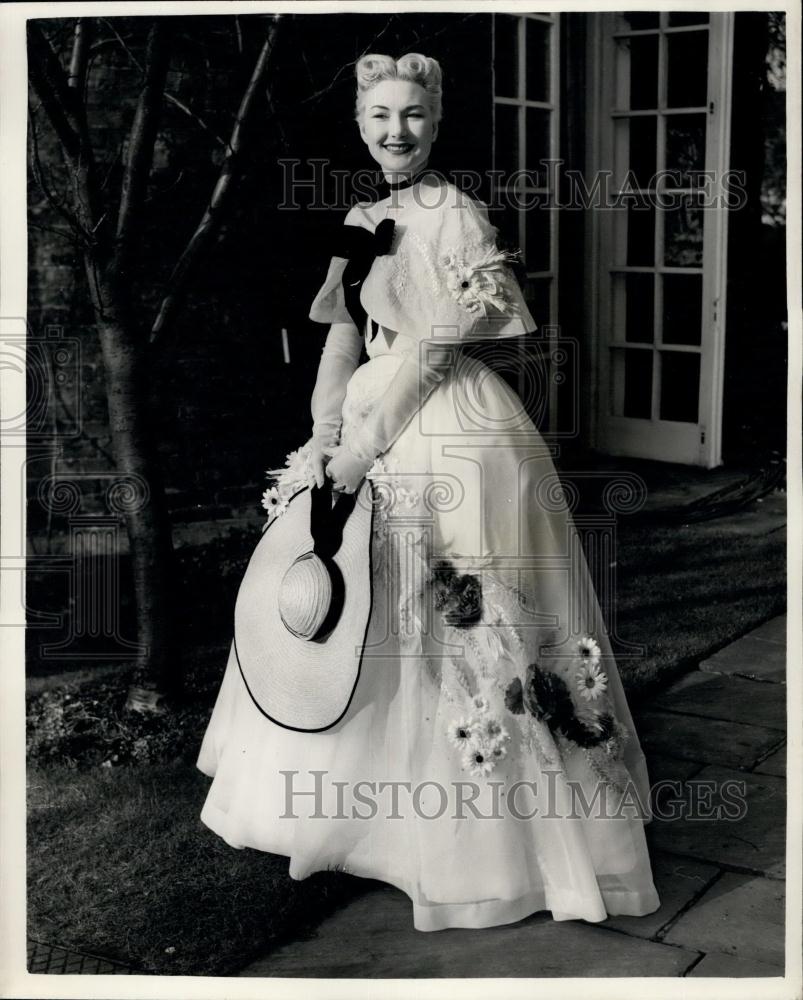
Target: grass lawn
[(684, 592), (119, 864)]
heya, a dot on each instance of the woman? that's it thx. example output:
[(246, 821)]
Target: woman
[(491, 710)]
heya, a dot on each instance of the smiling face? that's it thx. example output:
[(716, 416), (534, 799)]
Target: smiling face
[(397, 126)]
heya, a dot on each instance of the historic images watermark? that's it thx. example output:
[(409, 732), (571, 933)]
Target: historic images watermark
[(315, 185), (87, 510), (314, 794), (408, 504)]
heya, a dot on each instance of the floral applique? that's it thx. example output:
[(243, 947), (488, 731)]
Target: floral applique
[(590, 679), (481, 738), (591, 726), (391, 493), (478, 280), (458, 597), (591, 682)]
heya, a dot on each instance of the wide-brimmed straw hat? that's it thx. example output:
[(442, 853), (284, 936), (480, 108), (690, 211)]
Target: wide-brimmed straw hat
[(303, 606)]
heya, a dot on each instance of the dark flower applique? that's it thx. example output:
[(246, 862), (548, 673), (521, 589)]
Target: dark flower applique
[(458, 597), (546, 697), (514, 697)]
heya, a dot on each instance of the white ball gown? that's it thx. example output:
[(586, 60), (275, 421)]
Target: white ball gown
[(487, 765)]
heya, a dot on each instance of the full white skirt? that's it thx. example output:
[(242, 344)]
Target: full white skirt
[(544, 821)]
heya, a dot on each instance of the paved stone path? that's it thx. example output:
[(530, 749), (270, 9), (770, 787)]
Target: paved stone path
[(54, 960), (720, 882)]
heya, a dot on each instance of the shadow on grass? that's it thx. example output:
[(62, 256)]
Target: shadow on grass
[(119, 864)]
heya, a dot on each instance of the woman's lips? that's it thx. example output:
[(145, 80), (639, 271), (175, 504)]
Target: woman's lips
[(399, 148)]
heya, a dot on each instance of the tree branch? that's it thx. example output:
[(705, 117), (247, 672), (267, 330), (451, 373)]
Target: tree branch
[(80, 55), (122, 43), (143, 135), (50, 83), (172, 99), (349, 66), (77, 233), (65, 109), (213, 216)]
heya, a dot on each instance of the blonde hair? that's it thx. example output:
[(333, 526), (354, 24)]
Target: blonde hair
[(412, 67)]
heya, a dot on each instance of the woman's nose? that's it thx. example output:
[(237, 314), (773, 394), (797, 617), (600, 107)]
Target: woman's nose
[(396, 126)]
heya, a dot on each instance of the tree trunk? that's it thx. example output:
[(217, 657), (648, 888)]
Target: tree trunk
[(107, 252), (141, 498)]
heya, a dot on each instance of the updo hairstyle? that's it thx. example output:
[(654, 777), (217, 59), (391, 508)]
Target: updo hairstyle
[(412, 67)]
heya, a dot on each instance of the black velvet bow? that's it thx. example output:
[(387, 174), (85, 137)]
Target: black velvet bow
[(361, 247)]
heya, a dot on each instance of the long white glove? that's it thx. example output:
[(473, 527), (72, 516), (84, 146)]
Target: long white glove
[(339, 360), (416, 378)]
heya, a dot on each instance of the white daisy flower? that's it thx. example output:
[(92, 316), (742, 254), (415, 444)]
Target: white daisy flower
[(499, 749), (589, 650), (460, 732), (591, 681), (478, 760), (271, 498), (273, 502)]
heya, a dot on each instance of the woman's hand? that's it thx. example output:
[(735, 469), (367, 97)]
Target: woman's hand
[(346, 470), (322, 448)]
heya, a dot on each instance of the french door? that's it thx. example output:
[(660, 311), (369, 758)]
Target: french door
[(659, 130), (526, 75)]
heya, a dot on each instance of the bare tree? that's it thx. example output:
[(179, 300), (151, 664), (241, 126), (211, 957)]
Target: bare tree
[(107, 242)]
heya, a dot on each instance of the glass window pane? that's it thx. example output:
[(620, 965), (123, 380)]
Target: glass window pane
[(685, 148), (506, 55), (537, 138), (640, 236), (642, 149), (640, 292), (687, 73), (538, 60), (679, 18), (536, 227), (506, 138), (637, 373), (680, 386), (682, 309), (683, 235), (639, 20), (643, 76)]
